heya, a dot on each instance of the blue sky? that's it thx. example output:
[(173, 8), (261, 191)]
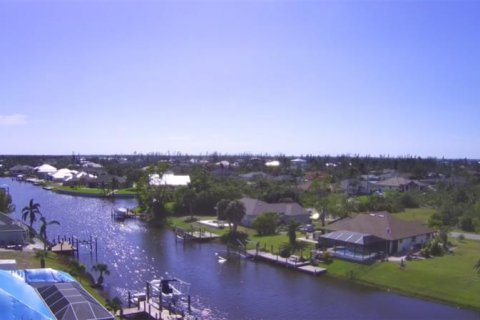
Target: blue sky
[(291, 77)]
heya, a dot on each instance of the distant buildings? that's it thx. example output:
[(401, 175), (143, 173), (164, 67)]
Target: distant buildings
[(287, 211)]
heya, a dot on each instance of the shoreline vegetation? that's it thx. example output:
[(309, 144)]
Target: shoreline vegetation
[(448, 279), (95, 192)]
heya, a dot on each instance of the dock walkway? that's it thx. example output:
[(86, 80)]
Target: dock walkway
[(151, 311), (196, 235), (287, 262)]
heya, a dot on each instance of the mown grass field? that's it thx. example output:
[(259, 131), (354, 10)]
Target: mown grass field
[(93, 191), (449, 278), (417, 214)]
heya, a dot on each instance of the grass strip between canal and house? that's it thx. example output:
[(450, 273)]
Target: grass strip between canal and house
[(449, 279)]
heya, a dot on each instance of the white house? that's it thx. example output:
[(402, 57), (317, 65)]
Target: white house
[(169, 179)]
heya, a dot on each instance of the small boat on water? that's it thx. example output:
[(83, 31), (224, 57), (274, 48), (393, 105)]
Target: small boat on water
[(220, 258), (120, 213), (172, 289)]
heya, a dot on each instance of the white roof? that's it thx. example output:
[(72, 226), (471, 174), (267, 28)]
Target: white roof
[(46, 168), (298, 160), (63, 173), (168, 179), (273, 163)]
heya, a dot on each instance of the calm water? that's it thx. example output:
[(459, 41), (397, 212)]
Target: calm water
[(237, 289)]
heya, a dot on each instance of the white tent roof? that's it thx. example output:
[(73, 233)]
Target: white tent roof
[(63, 173), (273, 163), (168, 179), (46, 168)]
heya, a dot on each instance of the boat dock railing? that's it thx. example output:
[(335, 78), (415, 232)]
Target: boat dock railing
[(152, 304), (194, 234)]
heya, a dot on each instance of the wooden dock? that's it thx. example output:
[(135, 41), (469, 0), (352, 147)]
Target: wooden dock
[(293, 263), (64, 247), (195, 235), (149, 310)]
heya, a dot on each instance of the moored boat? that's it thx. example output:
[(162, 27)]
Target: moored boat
[(120, 213)]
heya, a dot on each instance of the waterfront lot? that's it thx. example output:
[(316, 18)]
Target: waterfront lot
[(449, 278)]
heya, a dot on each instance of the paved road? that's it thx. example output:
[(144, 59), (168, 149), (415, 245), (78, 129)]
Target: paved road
[(470, 236)]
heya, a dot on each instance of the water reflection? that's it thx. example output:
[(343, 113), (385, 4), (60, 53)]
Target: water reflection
[(236, 289)]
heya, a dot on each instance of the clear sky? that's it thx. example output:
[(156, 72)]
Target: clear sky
[(291, 77)]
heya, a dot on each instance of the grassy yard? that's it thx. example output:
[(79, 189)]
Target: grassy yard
[(93, 191), (417, 214), (265, 242), (449, 278)]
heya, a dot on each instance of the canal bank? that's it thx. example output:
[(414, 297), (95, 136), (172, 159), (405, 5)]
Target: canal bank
[(236, 289), (436, 279)]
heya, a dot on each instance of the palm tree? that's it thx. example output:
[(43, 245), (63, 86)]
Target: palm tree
[(292, 233), (221, 206), (101, 268), (77, 269), (234, 213), (30, 212), (43, 230)]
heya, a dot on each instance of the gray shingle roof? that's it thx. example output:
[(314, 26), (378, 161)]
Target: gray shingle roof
[(8, 224)]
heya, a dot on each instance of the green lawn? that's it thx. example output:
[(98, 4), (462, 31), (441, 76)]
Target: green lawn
[(93, 191), (417, 214), (449, 278), (265, 242)]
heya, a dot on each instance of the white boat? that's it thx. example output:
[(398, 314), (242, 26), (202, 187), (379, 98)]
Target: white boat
[(120, 213), (172, 289)]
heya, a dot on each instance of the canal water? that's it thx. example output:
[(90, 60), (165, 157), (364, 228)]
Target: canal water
[(237, 289)]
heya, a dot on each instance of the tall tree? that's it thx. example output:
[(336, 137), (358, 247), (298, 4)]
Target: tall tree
[(266, 223), (292, 233), (31, 212), (221, 206), (101, 268), (234, 213), (43, 230)]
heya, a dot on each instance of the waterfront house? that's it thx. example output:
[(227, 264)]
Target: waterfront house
[(46, 294), (44, 170), (287, 211), (21, 170), (11, 231), (369, 233)]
